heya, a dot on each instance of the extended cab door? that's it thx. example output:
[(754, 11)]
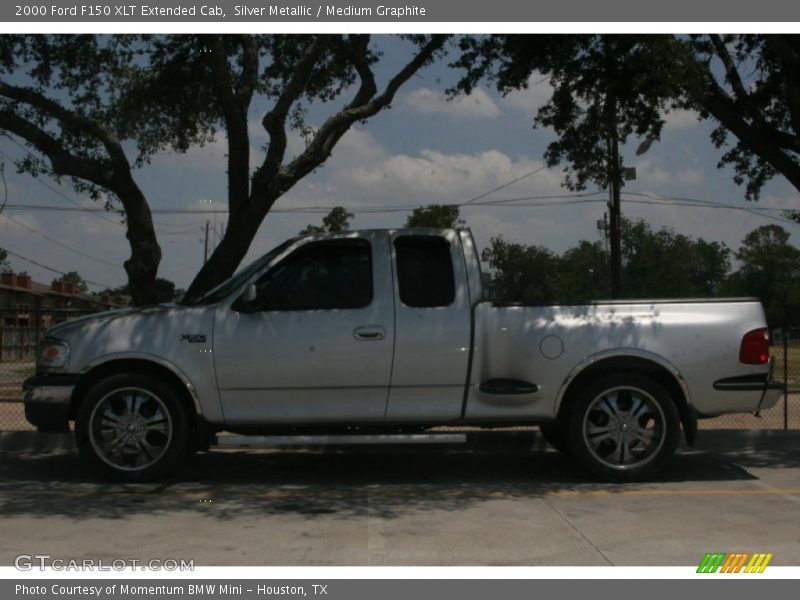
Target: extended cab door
[(433, 327), (316, 344)]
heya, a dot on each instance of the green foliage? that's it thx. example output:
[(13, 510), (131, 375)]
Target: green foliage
[(4, 264), (656, 264), (75, 278), (521, 273), (665, 264), (748, 84), (165, 291), (600, 82), (442, 216), (770, 271), (337, 220)]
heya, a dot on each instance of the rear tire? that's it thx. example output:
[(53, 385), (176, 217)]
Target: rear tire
[(623, 427), (133, 427)]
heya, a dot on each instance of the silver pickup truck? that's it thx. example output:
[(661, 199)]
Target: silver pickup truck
[(387, 330)]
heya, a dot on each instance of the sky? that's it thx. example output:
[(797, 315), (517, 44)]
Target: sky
[(424, 150)]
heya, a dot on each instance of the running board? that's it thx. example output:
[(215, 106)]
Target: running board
[(505, 387), (273, 441)]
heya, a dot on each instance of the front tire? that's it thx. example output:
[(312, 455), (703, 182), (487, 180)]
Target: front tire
[(132, 427), (623, 427)]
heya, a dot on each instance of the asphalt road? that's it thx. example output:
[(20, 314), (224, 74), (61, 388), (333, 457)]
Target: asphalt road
[(493, 501)]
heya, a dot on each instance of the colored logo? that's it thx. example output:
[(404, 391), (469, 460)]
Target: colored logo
[(738, 562)]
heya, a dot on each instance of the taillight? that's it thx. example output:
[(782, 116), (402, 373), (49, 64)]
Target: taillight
[(755, 347)]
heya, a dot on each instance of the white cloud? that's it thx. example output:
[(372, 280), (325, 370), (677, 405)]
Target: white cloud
[(680, 119), (649, 171), (533, 97), (477, 105), (434, 176)]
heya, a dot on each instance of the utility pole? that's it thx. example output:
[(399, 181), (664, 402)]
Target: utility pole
[(205, 246), (614, 177)]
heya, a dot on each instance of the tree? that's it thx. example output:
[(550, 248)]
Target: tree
[(748, 84), (66, 112), (665, 264), (165, 291), (74, 278), (602, 85), (656, 264), (337, 220), (519, 273), (584, 273), (85, 99), (444, 216), (757, 100), (770, 271), (4, 266)]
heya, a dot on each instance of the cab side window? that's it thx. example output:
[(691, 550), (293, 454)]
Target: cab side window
[(327, 275), (425, 271)]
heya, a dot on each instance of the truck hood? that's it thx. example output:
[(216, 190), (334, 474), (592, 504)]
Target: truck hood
[(167, 330), (73, 326)]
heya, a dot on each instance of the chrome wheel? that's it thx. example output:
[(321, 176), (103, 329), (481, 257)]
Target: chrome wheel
[(624, 428), (130, 429)]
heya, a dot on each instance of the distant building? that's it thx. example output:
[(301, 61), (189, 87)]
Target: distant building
[(28, 303)]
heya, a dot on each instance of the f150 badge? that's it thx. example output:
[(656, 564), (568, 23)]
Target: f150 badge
[(194, 338)]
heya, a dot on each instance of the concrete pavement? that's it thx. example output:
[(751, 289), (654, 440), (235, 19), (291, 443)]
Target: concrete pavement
[(497, 500)]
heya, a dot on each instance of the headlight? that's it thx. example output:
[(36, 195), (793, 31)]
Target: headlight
[(53, 355)]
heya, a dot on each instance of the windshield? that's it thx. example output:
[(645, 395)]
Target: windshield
[(226, 287)]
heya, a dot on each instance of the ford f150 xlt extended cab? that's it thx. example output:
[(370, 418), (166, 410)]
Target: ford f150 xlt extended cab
[(387, 330)]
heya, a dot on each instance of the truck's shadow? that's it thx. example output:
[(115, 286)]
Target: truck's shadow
[(348, 482)]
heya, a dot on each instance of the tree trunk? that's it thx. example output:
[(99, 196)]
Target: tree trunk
[(242, 228), (142, 266)]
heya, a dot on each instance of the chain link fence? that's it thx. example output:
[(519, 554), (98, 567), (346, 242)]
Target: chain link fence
[(19, 334)]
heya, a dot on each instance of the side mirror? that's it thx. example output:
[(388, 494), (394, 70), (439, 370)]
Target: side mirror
[(249, 293), (242, 302)]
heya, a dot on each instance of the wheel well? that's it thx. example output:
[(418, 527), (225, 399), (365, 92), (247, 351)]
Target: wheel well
[(88, 379), (641, 366)]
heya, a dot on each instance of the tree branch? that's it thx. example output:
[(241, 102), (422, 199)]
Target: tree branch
[(359, 57), (69, 120), (787, 50), (113, 174), (337, 125), (732, 74), (63, 162), (720, 105), (275, 120), (234, 110), (248, 78)]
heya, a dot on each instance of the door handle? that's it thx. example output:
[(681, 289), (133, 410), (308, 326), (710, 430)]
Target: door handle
[(369, 333)]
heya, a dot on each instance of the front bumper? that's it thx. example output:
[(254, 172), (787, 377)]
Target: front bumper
[(47, 401)]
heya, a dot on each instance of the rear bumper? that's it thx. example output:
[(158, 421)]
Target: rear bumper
[(47, 401), (769, 390)]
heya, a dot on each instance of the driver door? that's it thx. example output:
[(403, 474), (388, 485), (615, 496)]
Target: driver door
[(316, 344)]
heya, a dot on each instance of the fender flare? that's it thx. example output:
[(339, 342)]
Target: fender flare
[(144, 356), (623, 353)]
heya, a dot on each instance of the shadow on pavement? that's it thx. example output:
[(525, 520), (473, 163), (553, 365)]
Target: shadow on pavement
[(350, 482)]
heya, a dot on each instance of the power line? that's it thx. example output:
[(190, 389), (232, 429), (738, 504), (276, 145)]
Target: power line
[(505, 185), (38, 264), (99, 213), (57, 243), (50, 187)]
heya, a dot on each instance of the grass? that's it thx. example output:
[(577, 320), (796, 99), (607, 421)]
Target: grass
[(792, 366)]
